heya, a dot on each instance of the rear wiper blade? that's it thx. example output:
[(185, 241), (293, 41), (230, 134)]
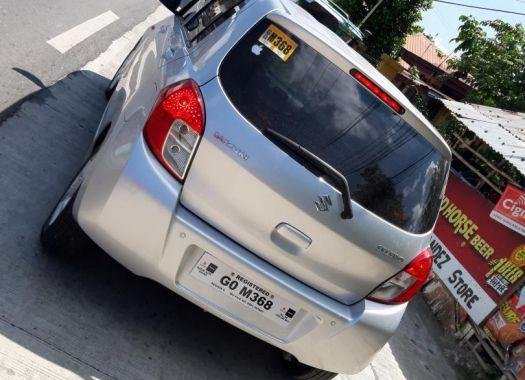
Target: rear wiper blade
[(336, 177)]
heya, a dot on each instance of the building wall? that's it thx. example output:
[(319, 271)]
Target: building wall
[(434, 76)]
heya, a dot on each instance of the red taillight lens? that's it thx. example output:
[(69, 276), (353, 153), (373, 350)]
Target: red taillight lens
[(404, 286), (175, 125), (377, 91)]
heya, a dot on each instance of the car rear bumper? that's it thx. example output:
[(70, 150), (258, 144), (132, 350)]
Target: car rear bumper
[(129, 205)]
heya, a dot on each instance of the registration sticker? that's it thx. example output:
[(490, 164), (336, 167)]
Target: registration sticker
[(238, 287), (278, 42)]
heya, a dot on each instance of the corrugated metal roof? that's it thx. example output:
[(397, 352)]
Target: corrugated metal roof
[(503, 131), (514, 122), (423, 47)]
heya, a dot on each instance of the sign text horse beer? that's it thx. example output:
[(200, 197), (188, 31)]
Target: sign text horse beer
[(480, 260)]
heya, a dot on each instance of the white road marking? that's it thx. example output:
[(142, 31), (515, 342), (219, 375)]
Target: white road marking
[(65, 41), (108, 62)]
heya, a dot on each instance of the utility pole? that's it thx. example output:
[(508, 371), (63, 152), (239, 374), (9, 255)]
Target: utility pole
[(370, 13)]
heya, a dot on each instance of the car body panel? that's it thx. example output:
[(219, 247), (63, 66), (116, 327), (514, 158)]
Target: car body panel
[(240, 178), (164, 240), (345, 260)]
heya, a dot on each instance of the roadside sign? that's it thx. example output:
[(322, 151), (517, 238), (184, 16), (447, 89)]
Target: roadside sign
[(479, 260), (510, 210), (460, 283)]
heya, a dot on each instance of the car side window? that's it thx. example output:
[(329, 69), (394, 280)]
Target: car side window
[(206, 16), (320, 14)]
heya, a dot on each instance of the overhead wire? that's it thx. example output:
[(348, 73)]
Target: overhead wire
[(478, 7)]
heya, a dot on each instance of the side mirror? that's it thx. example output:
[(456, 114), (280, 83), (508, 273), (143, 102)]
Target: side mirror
[(179, 7), (172, 5)]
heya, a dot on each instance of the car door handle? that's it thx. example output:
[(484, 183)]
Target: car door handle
[(290, 238)]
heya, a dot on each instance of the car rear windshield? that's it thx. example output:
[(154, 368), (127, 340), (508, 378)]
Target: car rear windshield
[(391, 169)]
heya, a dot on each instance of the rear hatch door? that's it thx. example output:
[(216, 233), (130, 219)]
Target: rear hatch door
[(260, 193)]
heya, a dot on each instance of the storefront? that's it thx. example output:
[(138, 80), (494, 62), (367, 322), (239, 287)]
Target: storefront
[(479, 240)]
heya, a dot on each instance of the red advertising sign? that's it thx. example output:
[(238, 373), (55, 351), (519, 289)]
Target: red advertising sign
[(479, 260), (510, 210)]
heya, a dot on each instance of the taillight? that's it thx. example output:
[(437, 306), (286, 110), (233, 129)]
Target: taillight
[(175, 126), (404, 286), (377, 91)]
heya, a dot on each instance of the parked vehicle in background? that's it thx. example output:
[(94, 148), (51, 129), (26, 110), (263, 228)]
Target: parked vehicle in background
[(334, 18), (252, 162)]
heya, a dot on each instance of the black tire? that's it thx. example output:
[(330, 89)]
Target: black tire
[(300, 371), (60, 234)]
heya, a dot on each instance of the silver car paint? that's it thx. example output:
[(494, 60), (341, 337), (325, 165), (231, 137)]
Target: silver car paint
[(129, 204)]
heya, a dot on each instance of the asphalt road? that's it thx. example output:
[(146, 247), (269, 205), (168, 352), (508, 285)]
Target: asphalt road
[(28, 62), (90, 318)]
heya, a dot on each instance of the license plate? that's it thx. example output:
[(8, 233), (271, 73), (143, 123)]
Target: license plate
[(278, 42), (237, 286)]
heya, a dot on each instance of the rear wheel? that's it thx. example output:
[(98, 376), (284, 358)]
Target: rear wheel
[(300, 371), (60, 234)]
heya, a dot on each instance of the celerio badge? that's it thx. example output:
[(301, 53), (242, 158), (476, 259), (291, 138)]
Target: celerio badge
[(388, 252), (228, 144)]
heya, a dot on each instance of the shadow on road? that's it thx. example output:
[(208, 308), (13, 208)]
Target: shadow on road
[(33, 78), (91, 317)]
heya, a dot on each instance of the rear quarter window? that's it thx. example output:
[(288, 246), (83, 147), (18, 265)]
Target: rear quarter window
[(391, 169), (321, 15)]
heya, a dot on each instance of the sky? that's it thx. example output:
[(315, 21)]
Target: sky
[(442, 21)]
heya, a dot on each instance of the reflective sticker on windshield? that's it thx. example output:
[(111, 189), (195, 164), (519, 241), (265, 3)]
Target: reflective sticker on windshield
[(278, 42)]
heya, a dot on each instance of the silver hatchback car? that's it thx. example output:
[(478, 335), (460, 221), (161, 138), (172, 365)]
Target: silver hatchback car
[(253, 163)]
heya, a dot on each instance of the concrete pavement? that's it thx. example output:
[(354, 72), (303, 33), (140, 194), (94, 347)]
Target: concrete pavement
[(90, 318), (26, 26), (418, 351)]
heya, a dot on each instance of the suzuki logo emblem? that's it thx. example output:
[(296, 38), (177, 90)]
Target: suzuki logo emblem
[(323, 203)]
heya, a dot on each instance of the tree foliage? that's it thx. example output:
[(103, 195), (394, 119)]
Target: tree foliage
[(493, 63), (391, 22)]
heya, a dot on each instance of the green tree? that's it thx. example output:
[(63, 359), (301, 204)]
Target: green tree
[(493, 63), (391, 22)]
